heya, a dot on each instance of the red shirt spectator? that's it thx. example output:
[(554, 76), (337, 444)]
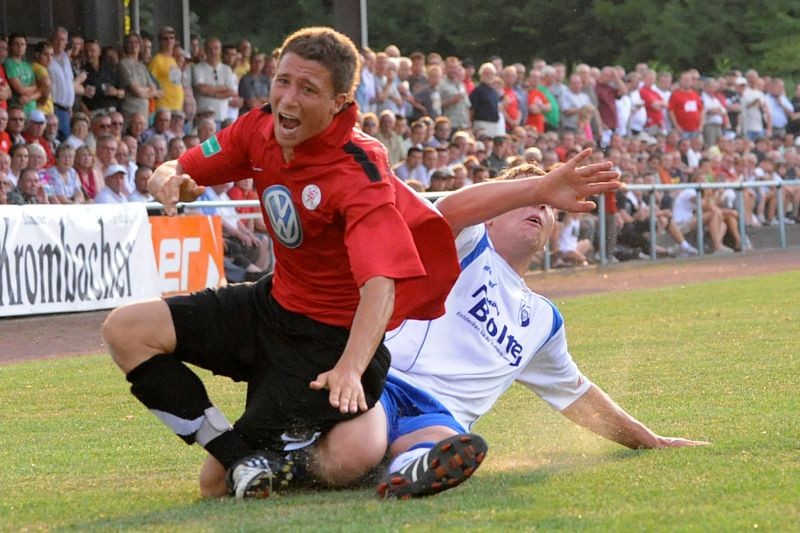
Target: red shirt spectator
[(5, 89), (688, 109), (686, 106), (655, 115), (5, 138), (511, 108), (536, 98)]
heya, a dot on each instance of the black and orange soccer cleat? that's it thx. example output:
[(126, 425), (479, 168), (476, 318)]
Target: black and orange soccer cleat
[(448, 464)]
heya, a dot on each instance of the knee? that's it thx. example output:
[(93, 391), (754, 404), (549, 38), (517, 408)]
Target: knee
[(342, 465), (114, 327), (351, 449), (133, 333)]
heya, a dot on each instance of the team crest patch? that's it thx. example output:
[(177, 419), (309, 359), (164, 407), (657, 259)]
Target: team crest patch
[(282, 215), (524, 314), (210, 146), (311, 197)]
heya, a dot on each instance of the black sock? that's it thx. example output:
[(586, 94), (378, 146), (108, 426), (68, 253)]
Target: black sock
[(229, 448), (178, 398), (173, 392)]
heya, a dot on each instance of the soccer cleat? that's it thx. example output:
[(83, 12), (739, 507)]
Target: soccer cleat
[(448, 464), (258, 475)]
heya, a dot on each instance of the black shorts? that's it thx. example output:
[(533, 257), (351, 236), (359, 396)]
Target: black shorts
[(240, 331)]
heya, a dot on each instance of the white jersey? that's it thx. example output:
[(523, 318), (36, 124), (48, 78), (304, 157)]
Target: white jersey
[(568, 237), (495, 331), (683, 206)]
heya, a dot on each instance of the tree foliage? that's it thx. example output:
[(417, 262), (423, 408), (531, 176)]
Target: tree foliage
[(710, 35)]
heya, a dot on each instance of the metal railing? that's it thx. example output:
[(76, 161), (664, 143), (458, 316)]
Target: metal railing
[(738, 187)]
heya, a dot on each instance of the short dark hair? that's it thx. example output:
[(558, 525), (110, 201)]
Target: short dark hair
[(334, 50)]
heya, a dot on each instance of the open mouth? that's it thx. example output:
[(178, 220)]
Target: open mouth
[(535, 219), (287, 122)]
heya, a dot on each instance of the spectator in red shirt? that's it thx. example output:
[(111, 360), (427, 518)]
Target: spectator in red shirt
[(609, 87), (654, 104), (5, 138), (511, 109), (5, 88), (243, 190), (538, 104), (686, 108)]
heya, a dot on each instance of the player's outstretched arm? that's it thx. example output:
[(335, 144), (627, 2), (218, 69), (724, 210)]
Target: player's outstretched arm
[(169, 185), (598, 413), (563, 188)]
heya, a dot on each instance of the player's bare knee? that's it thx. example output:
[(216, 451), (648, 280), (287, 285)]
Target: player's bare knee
[(136, 332)]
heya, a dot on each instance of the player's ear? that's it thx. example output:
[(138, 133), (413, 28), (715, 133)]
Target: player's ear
[(338, 102)]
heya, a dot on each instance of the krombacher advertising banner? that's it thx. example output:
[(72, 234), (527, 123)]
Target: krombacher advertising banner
[(56, 259)]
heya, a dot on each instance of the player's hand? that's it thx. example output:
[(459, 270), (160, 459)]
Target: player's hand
[(346, 392), (567, 186), (176, 188), (678, 442)]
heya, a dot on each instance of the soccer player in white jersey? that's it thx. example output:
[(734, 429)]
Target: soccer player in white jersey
[(448, 372)]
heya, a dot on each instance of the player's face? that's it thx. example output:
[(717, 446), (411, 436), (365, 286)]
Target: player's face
[(303, 100), (523, 230)]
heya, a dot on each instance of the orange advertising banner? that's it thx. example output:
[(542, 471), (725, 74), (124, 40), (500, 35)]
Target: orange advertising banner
[(188, 251)]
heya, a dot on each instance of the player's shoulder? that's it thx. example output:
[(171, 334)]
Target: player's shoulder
[(255, 119), (369, 155), (548, 305)]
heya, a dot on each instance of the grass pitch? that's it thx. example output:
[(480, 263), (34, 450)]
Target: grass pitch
[(718, 361)]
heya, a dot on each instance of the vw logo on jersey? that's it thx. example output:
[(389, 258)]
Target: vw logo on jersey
[(282, 215)]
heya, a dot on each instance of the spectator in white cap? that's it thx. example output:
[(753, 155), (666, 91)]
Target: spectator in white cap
[(114, 191), (34, 134)]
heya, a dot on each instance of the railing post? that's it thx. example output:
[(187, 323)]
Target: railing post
[(700, 228), (546, 257), (742, 225), (601, 212), (653, 230), (781, 215)]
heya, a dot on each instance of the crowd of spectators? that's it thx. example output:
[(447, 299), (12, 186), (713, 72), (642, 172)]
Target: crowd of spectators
[(81, 122), (448, 122)]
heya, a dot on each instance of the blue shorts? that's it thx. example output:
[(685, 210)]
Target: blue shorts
[(409, 409)]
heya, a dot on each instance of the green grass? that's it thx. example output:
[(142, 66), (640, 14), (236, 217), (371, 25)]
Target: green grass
[(717, 361)]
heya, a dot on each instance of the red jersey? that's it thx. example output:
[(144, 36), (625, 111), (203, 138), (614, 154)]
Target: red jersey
[(535, 96), (511, 105), (5, 141), (607, 104), (688, 109), (3, 81), (469, 85), (655, 117), (338, 217), (237, 193)]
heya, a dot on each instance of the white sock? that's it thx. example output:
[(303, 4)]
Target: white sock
[(402, 460), (685, 245)]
